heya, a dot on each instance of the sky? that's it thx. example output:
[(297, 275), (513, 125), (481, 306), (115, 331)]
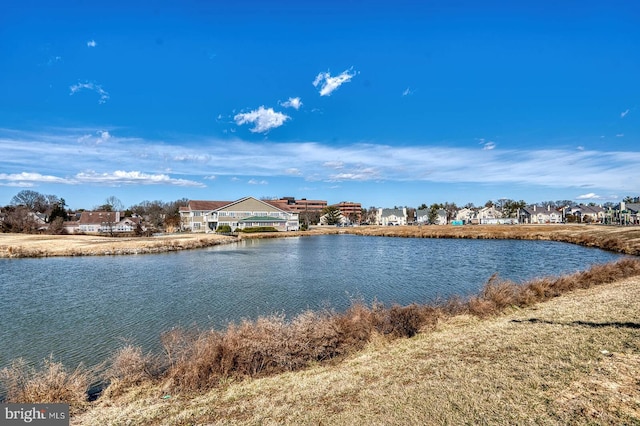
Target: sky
[(385, 103)]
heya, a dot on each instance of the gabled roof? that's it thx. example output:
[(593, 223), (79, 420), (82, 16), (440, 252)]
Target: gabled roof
[(634, 207), (201, 205), (98, 217), (392, 212), (205, 205)]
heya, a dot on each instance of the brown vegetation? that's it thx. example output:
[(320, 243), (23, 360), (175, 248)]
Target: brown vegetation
[(573, 360), (613, 238), (53, 383), (202, 361), (23, 245), (273, 345)]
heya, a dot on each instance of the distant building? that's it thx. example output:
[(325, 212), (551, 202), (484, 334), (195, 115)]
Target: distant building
[(539, 215), (300, 206), (248, 212), (350, 210), (388, 217), (104, 222)]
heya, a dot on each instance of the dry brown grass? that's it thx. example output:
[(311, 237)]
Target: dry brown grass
[(53, 383), (571, 361), (198, 360), (25, 245), (613, 238)]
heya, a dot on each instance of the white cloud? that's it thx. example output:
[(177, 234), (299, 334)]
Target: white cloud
[(18, 184), (31, 177), (620, 135), (623, 114), (294, 103), (257, 182), (364, 174), (489, 146), (59, 157), (407, 92), (333, 164), (589, 196), (329, 84), (92, 43), (104, 136), (264, 119), (104, 96), (120, 177)]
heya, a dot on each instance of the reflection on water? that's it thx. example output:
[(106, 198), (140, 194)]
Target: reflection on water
[(80, 308)]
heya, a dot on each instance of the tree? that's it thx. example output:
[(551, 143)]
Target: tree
[(332, 215), (56, 227), (19, 219), (630, 199), (411, 214), (58, 211), (433, 213), (32, 200), (510, 207), (451, 210), (114, 204), (489, 204)]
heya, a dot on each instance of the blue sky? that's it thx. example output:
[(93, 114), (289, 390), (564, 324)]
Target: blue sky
[(382, 103)]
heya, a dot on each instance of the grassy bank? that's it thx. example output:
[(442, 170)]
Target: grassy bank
[(26, 245), (214, 364), (614, 238), (572, 360)]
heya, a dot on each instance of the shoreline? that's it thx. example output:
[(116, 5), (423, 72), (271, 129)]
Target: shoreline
[(33, 246), (625, 240)]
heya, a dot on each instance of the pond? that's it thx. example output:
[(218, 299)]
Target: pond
[(80, 309)]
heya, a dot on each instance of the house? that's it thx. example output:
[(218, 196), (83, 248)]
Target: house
[(487, 215), (627, 213), (248, 212), (392, 216), (586, 213), (105, 222), (466, 215), (422, 217), (538, 215)]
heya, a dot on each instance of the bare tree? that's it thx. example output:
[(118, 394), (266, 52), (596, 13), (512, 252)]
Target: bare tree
[(115, 203), (33, 200)]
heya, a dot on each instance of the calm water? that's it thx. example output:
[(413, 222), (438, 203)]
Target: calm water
[(81, 308)]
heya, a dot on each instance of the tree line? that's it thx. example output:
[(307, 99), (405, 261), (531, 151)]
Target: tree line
[(28, 210), (31, 212)]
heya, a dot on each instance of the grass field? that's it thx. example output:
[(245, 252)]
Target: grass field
[(553, 351), (26, 245)]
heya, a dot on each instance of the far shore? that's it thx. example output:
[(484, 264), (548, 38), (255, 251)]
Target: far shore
[(613, 238)]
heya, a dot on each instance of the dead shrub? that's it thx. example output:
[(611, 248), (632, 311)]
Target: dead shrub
[(52, 384), (194, 360), (129, 367), (268, 345), (401, 321)]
